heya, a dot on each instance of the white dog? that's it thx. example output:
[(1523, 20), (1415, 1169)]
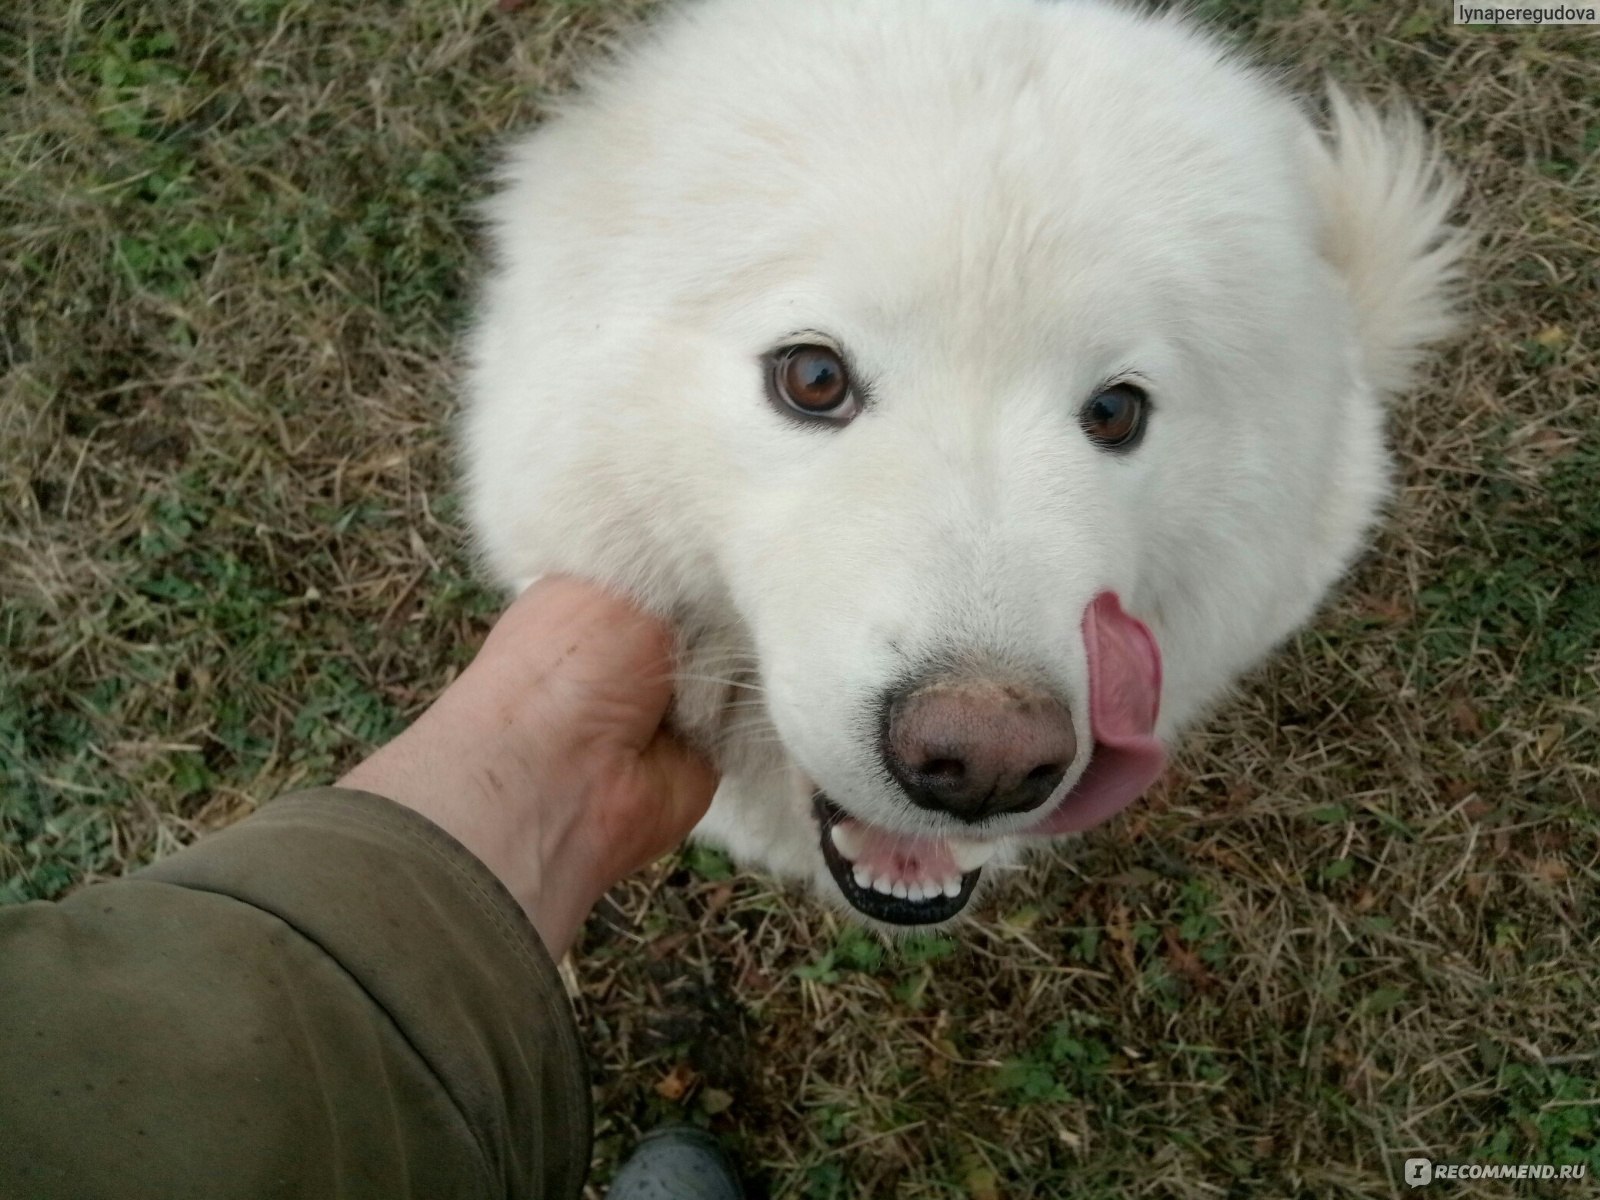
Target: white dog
[(982, 385)]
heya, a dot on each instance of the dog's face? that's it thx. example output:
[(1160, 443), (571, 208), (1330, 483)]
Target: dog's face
[(984, 386)]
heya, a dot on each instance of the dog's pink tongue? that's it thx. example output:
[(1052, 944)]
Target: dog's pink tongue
[(1124, 698)]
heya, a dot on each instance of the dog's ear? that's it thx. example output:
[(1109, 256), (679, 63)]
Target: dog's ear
[(1386, 201)]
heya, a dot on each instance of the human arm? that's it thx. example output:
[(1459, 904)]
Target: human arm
[(342, 994)]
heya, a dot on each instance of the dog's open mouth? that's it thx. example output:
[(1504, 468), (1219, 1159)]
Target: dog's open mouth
[(903, 879), (894, 877)]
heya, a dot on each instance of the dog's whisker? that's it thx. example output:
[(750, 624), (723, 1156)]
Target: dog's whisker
[(682, 677), (743, 657), (754, 741), (753, 724)]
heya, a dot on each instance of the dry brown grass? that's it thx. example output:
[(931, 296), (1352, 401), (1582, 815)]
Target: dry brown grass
[(1359, 922)]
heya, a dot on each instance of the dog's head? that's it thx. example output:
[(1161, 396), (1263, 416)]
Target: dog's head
[(984, 385)]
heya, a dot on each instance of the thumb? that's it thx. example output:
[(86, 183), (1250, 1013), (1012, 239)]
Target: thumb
[(686, 783)]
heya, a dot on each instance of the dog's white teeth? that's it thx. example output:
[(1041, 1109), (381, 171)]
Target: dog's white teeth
[(850, 840), (918, 891), (970, 856), (847, 839)]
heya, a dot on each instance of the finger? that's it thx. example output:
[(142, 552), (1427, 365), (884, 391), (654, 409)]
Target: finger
[(586, 603), (610, 627), (612, 661), (688, 782)]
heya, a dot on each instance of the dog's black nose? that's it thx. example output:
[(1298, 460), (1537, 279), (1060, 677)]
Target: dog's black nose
[(976, 749)]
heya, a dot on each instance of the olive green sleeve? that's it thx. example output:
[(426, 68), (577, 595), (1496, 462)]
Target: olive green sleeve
[(332, 998)]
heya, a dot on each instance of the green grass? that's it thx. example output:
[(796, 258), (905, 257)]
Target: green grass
[(1358, 922)]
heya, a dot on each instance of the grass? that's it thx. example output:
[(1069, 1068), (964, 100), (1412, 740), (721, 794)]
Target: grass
[(1359, 921)]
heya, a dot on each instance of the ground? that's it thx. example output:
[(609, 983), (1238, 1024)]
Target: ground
[(1358, 922)]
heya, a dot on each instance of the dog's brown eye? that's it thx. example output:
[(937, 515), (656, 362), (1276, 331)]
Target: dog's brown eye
[(812, 381), (1114, 418)]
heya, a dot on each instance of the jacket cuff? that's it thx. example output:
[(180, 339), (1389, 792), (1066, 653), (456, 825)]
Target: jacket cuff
[(440, 946)]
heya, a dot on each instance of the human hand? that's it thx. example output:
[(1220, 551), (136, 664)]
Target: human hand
[(547, 757)]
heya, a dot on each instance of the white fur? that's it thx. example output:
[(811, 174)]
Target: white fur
[(994, 205)]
